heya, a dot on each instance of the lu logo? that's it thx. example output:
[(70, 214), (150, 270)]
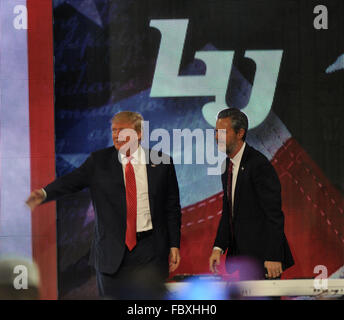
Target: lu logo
[(167, 82)]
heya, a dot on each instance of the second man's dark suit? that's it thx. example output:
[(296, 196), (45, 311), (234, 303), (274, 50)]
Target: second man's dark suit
[(258, 221), (102, 173)]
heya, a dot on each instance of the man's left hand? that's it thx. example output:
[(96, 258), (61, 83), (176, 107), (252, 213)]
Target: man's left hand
[(274, 269), (174, 259)]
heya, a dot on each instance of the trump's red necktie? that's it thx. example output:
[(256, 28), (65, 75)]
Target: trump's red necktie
[(130, 190)]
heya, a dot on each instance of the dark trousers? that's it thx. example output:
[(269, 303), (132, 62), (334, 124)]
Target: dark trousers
[(141, 275)]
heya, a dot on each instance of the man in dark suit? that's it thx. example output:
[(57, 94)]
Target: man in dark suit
[(136, 205), (252, 222)]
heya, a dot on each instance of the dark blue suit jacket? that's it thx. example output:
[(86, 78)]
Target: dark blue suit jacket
[(258, 222), (102, 173)]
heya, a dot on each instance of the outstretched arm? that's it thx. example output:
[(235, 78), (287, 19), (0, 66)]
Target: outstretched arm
[(72, 182)]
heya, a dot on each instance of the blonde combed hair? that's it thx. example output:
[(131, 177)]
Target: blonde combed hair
[(129, 116)]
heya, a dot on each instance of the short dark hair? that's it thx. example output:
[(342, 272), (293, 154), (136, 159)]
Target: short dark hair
[(239, 119)]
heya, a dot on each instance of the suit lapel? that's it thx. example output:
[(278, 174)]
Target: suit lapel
[(224, 176), (150, 181), (239, 180), (116, 170)]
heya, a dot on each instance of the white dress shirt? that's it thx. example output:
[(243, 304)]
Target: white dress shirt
[(138, 161), (236, 165)]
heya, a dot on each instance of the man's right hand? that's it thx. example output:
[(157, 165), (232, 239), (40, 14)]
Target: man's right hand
[(35, 199), (214, 260)]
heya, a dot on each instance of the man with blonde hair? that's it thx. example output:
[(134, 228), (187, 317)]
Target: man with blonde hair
[(136, 205)]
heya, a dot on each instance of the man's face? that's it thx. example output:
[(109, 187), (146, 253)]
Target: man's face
[(227, 140), (125, 136)]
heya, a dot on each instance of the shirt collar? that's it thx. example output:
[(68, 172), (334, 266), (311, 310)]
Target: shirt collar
[(138, 157), (237, 158)]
